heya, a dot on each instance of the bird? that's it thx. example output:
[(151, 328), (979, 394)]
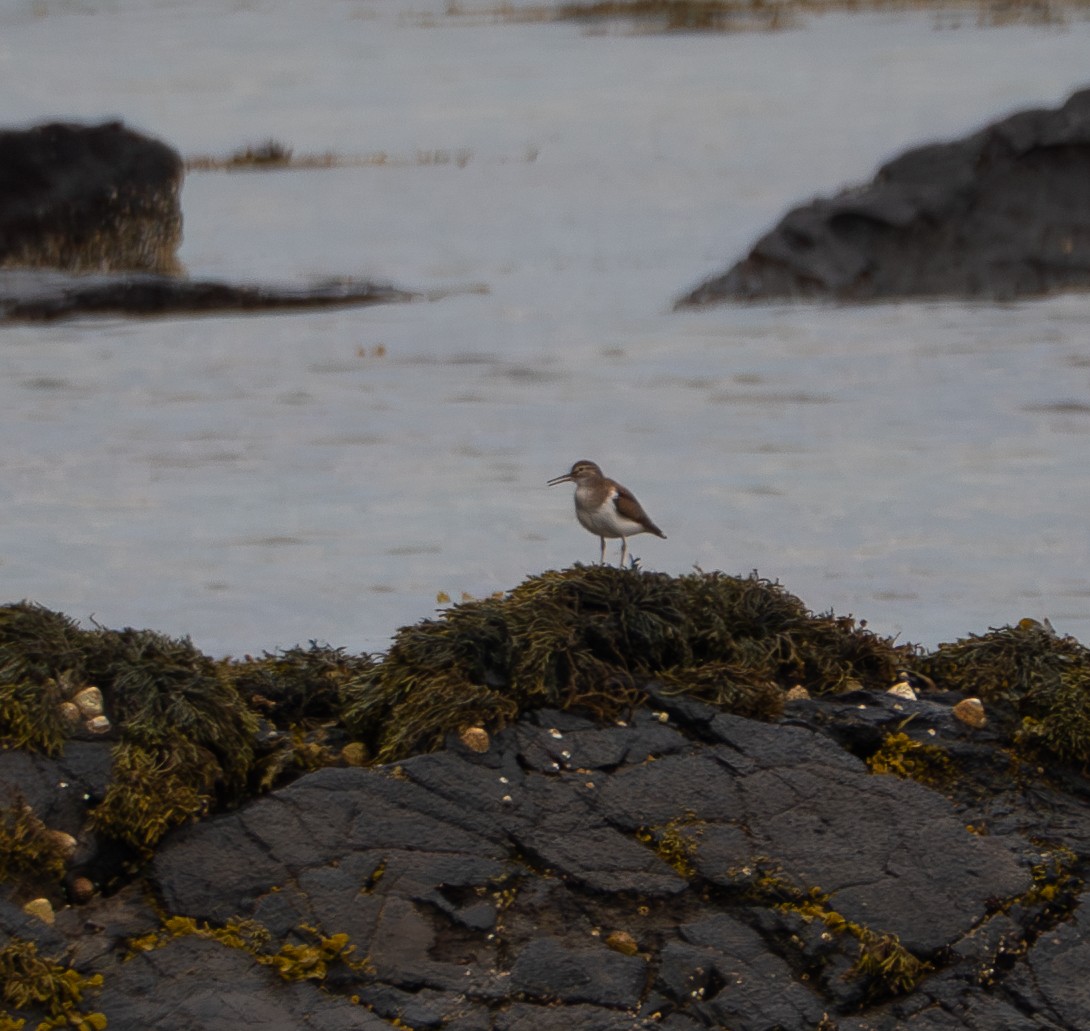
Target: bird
[(605, 508)]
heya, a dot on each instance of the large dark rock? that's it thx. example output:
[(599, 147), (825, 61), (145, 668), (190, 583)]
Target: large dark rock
[(89, 198), (687, 869), (90, 224), (1003, 213)]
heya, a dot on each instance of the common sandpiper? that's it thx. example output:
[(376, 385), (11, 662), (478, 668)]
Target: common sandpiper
[(605, 508)]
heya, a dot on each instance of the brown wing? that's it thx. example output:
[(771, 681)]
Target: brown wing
[(626, 504)]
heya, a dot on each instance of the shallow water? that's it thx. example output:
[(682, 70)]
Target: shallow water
[(257, 481)]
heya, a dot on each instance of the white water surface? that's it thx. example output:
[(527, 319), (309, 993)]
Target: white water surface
[(258, 481)]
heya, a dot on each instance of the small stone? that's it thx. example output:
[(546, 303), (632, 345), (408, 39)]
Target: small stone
[(622, 942), (41, 908), (89, 702), (902, 689), (798, 693), (971, 712), (475, 739), (81, 889), (66, 842), (354, 753), (70, 716), (98, 725)]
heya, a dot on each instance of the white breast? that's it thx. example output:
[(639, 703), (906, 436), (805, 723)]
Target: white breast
[(604, 520)]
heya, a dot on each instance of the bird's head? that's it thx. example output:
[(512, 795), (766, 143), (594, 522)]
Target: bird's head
[(580, 473)]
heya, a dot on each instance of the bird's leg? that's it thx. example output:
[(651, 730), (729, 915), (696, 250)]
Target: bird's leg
[(624, 550), (602, 557)]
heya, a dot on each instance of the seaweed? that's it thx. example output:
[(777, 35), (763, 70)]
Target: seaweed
[(676, 842), (297, 686), (27, 847), (151, 791), (40, 653), (586, 638), (883, 965), (308, 961), (1036, 684), (37, 983), (909, 759), (186, 734)]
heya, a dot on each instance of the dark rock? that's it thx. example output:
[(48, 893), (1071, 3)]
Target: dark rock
[(1053, 980), (747, 867), (90, 223), (39, 296), (59, 790), (727, 970), (195, 983), (88, 198), (525, 1017), (549, 971), (1003, 213)]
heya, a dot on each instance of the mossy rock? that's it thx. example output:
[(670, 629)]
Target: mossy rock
[(585, 638), (1035, 683)]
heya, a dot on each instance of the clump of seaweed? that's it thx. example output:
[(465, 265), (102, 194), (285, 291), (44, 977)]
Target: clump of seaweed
[(39, 650), (308, 961), (298, 686), (38, 984), (1036, 684), (909, 759), (27, 847), (586, 637), (187, 735), (676, 842), (883, 965)]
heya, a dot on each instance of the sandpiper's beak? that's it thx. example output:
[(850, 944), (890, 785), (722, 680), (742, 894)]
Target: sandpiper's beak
[(566, 478)]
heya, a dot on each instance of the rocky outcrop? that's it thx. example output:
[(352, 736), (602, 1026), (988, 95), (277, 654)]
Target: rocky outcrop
[(90, 224), (1003, 213), (608, 800), (688, 869), (89, 199)]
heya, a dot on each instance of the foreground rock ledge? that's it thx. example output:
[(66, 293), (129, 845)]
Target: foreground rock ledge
[(685, 869), (1003, 213)]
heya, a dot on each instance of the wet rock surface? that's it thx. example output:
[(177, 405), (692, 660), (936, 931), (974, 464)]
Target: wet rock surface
[(767, 878), (1003, 213), (37, 296)]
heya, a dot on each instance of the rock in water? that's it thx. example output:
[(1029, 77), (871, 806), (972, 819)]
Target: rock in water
[(1003, 213), (89, 198)]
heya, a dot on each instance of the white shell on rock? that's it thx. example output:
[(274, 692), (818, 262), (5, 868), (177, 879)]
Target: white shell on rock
[(98, 725), (971, 712), (903, 689), (798, 693), (89, 702)]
